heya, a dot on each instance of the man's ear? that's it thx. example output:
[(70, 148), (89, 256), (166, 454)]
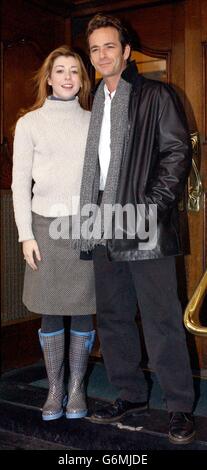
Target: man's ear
[(127, 51)]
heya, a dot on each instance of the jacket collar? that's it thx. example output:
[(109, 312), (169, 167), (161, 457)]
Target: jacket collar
[(131, 75)]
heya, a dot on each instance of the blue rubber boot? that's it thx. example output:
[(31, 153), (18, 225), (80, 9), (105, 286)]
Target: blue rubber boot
[(52, 345), (81, 344)]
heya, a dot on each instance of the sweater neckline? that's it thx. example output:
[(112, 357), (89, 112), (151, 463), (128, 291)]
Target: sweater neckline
[(61, 105), (55, 98)]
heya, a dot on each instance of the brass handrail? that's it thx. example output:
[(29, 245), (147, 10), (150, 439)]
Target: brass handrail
[(191, 315), (195, 187)]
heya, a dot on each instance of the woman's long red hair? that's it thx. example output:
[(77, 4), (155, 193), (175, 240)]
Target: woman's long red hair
[(42, 75)]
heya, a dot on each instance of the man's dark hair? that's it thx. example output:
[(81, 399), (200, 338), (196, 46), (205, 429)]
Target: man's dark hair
[(105, 21)]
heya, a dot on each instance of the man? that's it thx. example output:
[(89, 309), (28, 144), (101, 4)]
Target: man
[(138, 152)]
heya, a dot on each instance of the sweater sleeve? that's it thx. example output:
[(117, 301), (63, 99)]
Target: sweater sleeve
[(22, 179)]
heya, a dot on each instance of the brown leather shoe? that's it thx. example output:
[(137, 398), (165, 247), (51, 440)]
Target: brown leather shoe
[(181, 428), (115, 411)]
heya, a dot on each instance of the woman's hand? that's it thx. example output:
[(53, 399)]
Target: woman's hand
[(30, 248)]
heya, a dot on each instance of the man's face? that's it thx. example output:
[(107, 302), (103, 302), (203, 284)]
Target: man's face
[(106, 52)]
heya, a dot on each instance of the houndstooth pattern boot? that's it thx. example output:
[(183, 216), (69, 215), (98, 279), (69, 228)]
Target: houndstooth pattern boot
[(53, 350), (81, 344)]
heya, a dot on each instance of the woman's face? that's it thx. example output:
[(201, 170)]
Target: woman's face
[(64, 78)]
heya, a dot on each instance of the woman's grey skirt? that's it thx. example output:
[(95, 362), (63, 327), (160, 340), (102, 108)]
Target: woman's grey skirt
[(63, 284)]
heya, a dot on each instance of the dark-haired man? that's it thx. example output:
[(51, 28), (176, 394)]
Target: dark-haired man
[(138, 153)]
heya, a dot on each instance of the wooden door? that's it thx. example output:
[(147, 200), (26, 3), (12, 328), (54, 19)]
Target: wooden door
[(196, 108), (170, 40)]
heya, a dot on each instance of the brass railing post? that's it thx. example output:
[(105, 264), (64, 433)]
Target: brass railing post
[(191, 315)]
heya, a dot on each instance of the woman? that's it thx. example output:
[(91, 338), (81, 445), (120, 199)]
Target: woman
[(49, 147)]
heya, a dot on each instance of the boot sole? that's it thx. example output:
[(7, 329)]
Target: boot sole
[(52, 417), (117, 418), (81, 414), (185, 440), (56, 415)]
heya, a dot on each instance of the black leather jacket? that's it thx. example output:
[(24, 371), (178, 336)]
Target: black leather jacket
[(156, 163)]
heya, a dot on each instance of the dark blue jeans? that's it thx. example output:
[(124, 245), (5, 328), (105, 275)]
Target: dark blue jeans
[(153, 285)]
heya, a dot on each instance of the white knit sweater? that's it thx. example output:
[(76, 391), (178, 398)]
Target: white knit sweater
[(49, 148)]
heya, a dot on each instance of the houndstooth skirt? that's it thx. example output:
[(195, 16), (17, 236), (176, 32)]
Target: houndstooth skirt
[(63, 284)]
